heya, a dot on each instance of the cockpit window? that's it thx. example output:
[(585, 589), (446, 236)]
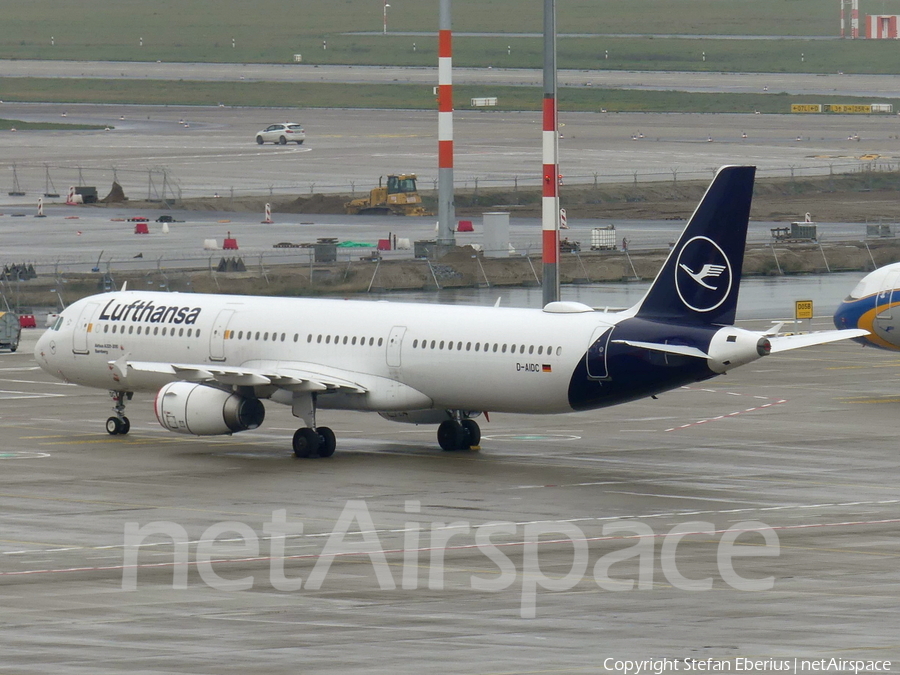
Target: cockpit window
[(859, 291), (883, 280), (57, 324)]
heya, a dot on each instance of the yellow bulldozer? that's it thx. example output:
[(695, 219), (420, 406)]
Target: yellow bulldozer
[(398, 198)]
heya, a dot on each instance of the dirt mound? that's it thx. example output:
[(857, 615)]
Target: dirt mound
[(314, 204), (854, 198), (116, 195)]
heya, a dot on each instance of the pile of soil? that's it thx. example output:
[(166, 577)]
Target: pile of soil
[(116, 195), (848, 198)]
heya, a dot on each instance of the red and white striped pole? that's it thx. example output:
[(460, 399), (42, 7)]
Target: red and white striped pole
[(550, 199), (446, 214), (842, 18), (854, 19)]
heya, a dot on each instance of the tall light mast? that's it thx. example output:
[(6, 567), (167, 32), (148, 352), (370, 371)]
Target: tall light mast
[(550, 198), (446, 212)]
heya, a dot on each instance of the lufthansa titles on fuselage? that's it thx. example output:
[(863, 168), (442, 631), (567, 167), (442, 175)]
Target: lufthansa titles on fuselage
[(146, 311)]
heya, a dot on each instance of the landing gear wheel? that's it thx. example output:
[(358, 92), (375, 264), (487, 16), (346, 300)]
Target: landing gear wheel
[(306, 442), (282, 140), (473, 433), (451, 436), (259, 140), (113, 426), (327, 441), (125, 426)]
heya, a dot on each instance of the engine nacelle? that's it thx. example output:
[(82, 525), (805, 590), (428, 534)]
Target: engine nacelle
[(731, 347), (191, 408)]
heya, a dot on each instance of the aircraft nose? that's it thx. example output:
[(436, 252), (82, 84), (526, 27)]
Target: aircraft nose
[(44, 348), (842, 317)]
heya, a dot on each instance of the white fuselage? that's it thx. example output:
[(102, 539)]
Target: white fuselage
[(433, 356)]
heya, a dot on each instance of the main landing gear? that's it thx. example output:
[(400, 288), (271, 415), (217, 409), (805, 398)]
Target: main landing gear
[(458, 434), (119, 424), (311, 440), (318, 442)]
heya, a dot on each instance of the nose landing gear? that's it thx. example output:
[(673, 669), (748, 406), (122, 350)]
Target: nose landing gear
[(119, 424)]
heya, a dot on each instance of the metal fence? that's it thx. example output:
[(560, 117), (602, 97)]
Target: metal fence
[(163, 185)]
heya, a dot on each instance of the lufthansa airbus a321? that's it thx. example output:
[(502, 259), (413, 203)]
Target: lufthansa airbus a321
[(214, 359)]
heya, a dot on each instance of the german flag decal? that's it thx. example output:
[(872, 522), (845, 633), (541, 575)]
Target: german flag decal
[(546, 368)]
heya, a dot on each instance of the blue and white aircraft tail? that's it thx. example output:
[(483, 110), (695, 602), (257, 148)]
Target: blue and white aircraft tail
[(699, 282), (213, 359)]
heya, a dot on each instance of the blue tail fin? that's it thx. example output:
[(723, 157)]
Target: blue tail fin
[(699, 282)]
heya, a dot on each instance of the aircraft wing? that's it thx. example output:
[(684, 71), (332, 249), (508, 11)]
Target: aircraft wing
[(292, 376), (783, 343)]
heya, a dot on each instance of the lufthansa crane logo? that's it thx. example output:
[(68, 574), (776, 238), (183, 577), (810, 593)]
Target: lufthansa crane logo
[(703, 275)]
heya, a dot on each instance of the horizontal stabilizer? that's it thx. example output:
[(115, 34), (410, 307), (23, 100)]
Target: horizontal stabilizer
[(783, 343), (681, 350)]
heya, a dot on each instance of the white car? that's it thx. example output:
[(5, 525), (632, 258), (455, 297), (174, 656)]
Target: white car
[(282, 133)]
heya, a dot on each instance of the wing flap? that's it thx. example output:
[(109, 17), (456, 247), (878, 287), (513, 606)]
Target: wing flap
[(295, 377)]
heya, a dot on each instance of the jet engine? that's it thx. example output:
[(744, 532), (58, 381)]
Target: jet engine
[(731, 347), (202, 410)]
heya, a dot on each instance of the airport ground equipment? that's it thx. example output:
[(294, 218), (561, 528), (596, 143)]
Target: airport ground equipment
[(10, 331), (399, 197), (800, 232), (603, 238)]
